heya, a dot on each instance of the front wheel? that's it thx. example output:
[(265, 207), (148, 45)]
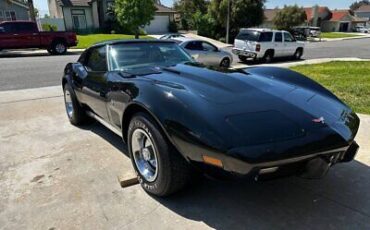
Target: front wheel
[(75, 112), (225, 63), (161, 170), (298, 54), (243, 58)]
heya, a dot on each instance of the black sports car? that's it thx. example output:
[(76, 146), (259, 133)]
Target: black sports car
[(178, 117)]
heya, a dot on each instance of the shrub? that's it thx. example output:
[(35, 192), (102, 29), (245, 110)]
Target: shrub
[(172, 27), (49, 27)]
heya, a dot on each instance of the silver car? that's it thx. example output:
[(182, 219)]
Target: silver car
[(205, 53)]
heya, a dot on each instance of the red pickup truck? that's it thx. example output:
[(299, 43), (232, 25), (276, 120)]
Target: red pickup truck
[(25, 34)]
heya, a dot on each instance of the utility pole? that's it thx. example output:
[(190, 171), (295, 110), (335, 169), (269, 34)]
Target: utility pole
[(32, 10), (228, 22)]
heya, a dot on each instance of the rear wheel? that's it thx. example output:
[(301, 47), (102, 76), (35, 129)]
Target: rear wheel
[(269, 56), (59, 47), (75, 112), (161, 170), (225, 63)]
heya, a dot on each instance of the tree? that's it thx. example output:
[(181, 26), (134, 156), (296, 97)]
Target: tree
[(134, 14), (354, 6), (244, 13), (188, 8), (289, 17)]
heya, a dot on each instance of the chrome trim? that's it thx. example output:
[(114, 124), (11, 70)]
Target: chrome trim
[(104, 123)]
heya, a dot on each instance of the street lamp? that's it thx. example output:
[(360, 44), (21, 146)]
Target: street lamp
[(228, 22)]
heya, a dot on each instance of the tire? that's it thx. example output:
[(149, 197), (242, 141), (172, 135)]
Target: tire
[(269, 56), (243, 58), (59, 47), (75, 112), (225, 63), (166, 170), (298, 54)]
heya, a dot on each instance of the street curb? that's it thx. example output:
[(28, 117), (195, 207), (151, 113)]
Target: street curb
[(303, 62)]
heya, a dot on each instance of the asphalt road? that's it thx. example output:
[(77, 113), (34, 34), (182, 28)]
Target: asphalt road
[(32, 70)]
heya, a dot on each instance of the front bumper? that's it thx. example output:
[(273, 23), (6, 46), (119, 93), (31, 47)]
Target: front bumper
[(311, 166), (244, 53)]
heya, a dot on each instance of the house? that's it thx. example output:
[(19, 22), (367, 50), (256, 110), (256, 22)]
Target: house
[(321, 16), (363, 12), (12, 10), (342, 21), (85, 15), (316, 15)]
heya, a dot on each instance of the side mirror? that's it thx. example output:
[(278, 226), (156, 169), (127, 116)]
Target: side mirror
[(80, 70)]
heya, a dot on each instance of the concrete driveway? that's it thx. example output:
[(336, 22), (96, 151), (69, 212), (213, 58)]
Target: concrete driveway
[(56, 176)]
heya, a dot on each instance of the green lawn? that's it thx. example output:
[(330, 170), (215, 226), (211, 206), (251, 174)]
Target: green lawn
[(84, 41), (338, 35), (350, 81)]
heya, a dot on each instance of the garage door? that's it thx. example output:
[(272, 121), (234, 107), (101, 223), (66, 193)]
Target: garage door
[(159, 25)]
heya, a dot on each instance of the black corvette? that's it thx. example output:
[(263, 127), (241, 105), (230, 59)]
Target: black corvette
[(178, 117)]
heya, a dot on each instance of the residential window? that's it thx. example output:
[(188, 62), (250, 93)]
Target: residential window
[(10, 16), (79, 19), (1, 15)]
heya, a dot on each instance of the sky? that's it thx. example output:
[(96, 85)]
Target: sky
[(42, 5)]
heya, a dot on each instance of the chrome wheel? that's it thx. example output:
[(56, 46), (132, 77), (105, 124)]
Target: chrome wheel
[(68, 103), (60, 48), (145, 155)]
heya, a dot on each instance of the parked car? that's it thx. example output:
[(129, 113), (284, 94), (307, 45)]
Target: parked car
[(171, 36), (25, 34), (266, 44), (179, 118), (205, 52), (362, 29), (306, 31)]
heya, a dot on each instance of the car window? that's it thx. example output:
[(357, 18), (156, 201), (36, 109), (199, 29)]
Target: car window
[(97, 60), (278, 37), (248, 35), (208, 47), (265, 37), (143, 55), (194, 45), (288, 37), (7, 28)]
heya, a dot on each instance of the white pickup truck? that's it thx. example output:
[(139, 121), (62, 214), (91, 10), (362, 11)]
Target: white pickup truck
[(266, 44)]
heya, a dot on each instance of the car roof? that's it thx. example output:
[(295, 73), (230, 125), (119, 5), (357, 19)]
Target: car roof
[(184, 39), (261, 30), (130, 41)]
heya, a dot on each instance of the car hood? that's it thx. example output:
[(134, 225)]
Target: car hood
[(236, 102)]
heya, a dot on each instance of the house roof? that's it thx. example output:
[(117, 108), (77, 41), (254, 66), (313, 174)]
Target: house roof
[(338, 15), (19, 3), (363, 8), (309, 11), (74, 2)]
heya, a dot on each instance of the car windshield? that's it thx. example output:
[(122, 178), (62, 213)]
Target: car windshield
[(141, 55)]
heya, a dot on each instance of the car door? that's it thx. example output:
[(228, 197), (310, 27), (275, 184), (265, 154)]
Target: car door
[(195, 49), (27, 34), (7, 40), (94, 85), (212, 56), (289, 44), (279, 44)]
